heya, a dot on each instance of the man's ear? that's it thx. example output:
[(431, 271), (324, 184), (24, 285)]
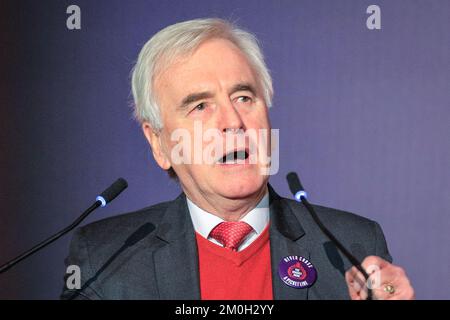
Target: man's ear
[(154, 139)]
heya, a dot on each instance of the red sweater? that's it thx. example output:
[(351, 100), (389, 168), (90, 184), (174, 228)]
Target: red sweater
[(231, 275)]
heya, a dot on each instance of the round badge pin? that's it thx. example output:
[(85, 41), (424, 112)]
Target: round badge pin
[(297, 272)]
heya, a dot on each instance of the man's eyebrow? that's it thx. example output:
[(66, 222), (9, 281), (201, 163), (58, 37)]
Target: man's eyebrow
[(193, 97), (243, 87)]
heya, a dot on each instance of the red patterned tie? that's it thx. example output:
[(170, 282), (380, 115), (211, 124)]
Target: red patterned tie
[(231, 234)]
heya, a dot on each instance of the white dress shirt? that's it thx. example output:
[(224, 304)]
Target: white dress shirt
[(257, 218)]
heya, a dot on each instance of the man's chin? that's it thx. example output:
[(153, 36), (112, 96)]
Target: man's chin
[(239, 189)]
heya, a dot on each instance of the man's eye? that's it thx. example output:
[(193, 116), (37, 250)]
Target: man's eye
[(244, 99), (200, 107)]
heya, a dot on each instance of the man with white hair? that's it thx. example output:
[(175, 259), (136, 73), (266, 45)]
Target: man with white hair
[(228, 235)]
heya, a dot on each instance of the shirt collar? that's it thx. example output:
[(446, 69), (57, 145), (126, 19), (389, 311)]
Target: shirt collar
[(204, 222)]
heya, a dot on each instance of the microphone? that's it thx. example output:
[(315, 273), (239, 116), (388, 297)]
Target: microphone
[(102, 200), (301, 196)]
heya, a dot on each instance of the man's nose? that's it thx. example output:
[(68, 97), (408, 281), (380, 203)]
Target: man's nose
[(229, 117)]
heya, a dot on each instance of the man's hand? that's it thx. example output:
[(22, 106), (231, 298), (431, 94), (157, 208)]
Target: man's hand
[(387, 281)]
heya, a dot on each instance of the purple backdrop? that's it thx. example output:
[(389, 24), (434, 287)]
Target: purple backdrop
[(364, 118)]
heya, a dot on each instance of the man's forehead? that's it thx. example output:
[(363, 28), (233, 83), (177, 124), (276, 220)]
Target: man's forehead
[(211, 84), (216, 64)]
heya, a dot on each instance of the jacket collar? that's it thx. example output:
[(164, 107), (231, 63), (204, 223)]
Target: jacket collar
[(176, 220), (283, 219)]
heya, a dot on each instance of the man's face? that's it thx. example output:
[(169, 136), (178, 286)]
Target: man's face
[(213, 89)]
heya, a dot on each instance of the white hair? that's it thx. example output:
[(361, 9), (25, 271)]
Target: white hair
[(181, 39)]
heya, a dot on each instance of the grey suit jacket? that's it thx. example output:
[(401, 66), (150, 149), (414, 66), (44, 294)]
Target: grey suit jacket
[(159, 261)]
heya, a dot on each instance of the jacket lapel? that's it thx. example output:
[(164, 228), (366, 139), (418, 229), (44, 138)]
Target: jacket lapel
[(285, 239), (176, 262)]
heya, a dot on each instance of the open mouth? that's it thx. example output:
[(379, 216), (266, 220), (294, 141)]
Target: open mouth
[(234, 157)]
